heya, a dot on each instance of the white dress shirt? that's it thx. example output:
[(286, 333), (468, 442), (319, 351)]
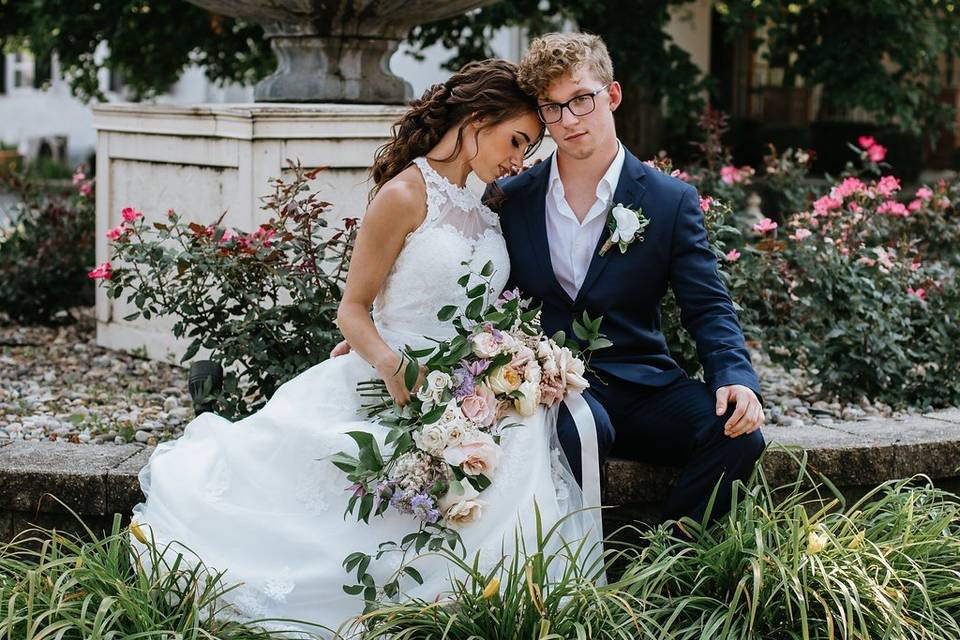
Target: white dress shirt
[(572, 243)]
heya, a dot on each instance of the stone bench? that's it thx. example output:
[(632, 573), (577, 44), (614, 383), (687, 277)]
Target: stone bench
[(97, 481)]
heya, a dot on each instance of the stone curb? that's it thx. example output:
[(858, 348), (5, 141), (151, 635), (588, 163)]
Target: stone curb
[(102, 480)]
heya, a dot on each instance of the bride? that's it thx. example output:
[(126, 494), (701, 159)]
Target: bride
[(257, 498)]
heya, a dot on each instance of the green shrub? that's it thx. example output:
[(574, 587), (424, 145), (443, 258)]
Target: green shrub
[(263, 303), (45, 253)]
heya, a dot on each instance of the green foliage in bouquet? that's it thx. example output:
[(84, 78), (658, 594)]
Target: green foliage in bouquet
[(264, 304), (445, 443), (45, 252)]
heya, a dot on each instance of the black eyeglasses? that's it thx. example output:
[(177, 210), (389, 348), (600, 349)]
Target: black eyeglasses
[(578, 106)]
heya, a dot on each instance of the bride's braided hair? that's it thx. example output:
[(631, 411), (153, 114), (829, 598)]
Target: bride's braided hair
[(484, 89)]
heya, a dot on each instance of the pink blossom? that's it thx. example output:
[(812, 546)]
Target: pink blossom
[(79, 177), (705, 203), (849, 186), (824, 205), (924, 193), (914, 266), (130, 214), (888, 185), (680, 175), (866, 141), (944, 202), (800, 234), (732, 256), (86, 189), (226, 237), (854, 207), (893, 208), (765, 225), (551, 390), (264, 233), (104, 271), (877, 153), (480, 406), (920, 292), (118, 231), (915, 205), (732, 175)]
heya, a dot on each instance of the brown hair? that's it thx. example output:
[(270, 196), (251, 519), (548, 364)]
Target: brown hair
[(484, 89), (555, 54)]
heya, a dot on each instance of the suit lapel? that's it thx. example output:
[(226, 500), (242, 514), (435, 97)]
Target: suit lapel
[(537, 222), (630, 192)]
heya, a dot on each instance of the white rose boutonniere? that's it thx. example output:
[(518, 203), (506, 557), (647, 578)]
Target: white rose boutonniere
[(625, 225)]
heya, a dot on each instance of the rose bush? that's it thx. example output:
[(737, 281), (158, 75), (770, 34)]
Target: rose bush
[(263, 303), (45, 252)]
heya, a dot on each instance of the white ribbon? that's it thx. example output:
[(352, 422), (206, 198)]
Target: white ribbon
[(589, 448)]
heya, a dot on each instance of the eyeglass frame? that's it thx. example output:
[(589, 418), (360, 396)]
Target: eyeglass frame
[(566, 105)]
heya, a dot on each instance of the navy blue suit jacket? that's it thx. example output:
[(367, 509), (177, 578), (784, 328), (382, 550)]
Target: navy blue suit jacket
[(626, 289)]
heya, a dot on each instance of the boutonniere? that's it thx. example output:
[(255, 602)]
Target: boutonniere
[(625, 225)]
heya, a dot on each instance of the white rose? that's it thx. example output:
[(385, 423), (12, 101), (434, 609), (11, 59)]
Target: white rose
[(431, 391), (463, 513), (432, 438), (527, 405), (532, 373), (573, 374), (458, 491), (627, 224), (485, 345), (504, 380)]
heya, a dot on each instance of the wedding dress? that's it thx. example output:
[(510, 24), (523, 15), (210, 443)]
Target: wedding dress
[(257, 499)]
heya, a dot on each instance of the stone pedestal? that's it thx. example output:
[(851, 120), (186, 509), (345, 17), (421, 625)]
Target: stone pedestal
[(204, 160)]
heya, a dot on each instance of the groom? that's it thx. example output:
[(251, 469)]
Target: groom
[(554, 217)]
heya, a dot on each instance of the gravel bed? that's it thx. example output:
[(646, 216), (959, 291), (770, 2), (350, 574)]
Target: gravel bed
[(57, 384)]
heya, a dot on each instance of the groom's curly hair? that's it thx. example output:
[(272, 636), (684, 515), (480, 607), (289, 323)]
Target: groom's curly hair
[(555, 54), (486, 89)]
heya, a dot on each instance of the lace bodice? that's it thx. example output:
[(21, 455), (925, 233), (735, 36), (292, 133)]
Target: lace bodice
[(458, 228)]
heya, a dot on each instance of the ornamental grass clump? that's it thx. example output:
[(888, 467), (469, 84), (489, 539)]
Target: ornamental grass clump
[(57, 586), (263, 303), (792, 562)]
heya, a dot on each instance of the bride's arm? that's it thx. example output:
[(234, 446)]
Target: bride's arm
[(397, 209)]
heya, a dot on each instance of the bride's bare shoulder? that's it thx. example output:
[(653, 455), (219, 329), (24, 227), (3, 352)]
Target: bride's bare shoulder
[(405, 194)]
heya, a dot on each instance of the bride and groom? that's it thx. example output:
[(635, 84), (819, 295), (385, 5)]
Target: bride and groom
[(257, 498)]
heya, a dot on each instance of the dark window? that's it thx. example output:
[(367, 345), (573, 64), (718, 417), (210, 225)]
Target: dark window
[(42, 71), (3, 72)]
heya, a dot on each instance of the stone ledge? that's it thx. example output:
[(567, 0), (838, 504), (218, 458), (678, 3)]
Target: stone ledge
[(98, 481)]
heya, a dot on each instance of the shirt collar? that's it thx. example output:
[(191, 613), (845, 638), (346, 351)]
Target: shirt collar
[(608, 183)]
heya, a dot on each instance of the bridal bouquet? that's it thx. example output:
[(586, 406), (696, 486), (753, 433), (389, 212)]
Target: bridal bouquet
[(446, 447)]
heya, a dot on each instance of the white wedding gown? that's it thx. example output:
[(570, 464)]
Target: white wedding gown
[(256, 499)]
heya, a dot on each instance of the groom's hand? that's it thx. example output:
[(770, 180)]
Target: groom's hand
[(747, 417)]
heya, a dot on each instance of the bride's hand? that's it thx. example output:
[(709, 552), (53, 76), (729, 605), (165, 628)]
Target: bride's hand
[(342, 349), (391, 371)]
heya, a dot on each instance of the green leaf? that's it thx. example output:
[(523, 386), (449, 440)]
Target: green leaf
[(463, 280), (353, 589), (410, 374), (413, 573), (474, 309), (599, 343), (446, 312), (477, 291), (487, 270), (580, 331)]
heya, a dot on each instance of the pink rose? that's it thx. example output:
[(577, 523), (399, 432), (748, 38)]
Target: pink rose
[(765, 225), (893, 208), (914, 266), (130, 214), (888, 185), (103, 272), (78, 177), (877, 153), (705, 203), (479, 456), (800, 234), (824, 205), (924, 193), (86, 189), (732, 256), (551, 390), (919, 293), (866, 141), (480, 407), (849, 186), (729, 175), (117, 232), (915, 205)]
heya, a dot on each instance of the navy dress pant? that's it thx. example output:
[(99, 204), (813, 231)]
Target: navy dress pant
[(674, 425)]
